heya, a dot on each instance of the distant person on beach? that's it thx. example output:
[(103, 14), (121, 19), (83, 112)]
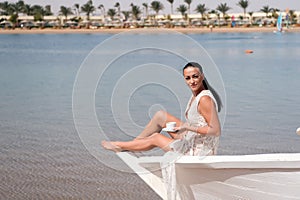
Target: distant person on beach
[(232, 21), (199, 135)]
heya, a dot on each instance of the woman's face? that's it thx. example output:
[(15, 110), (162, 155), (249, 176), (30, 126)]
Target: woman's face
[(193, 78)]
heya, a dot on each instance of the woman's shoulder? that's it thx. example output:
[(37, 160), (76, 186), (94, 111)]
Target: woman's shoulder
[(206, 95)]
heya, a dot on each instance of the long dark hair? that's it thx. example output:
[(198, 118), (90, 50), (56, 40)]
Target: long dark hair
[(206, 84)]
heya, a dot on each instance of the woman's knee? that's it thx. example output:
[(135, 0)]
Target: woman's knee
[(161, 115)]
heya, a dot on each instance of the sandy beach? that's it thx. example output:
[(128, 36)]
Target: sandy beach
[(114, 31)]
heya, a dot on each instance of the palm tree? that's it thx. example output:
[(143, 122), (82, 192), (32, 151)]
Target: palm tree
[(117, 5), (201, 9), (88, 8), (38, 12), (188, 2), (171, 2), (5, 8), (102, 9), (266, 9), (136, 11), (223, 8), (146, 9), (27, 9), (19, 7), (182, 9), (126, 14), (291, 16), (274, 12), (48, 10), (65, 11), (77, 6), (111, 13), (14, 9), (157, 6), (243, 4)]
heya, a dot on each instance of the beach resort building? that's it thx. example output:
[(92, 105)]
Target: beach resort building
[(191, 20)]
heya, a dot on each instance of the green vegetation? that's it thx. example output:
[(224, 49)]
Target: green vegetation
[(243, 4)]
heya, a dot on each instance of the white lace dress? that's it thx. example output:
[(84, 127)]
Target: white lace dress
[(192, 143)]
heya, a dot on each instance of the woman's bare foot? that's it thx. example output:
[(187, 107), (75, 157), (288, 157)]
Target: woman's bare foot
[(109, 146)]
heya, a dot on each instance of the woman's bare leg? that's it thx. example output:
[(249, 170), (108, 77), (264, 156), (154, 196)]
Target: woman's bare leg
[(143, 144), (157, 123)]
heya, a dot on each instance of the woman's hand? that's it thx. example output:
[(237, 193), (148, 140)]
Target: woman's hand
[(180, 129), (186, 127)]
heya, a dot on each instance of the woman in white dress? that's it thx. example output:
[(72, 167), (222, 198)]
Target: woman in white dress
[(200, 133)]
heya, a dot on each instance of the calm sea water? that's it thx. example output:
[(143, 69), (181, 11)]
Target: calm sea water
[(42, 155)]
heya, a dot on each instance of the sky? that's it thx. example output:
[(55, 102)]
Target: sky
[(254, 5)]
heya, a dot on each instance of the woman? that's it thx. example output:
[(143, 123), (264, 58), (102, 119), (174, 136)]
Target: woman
[(198, 136)]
